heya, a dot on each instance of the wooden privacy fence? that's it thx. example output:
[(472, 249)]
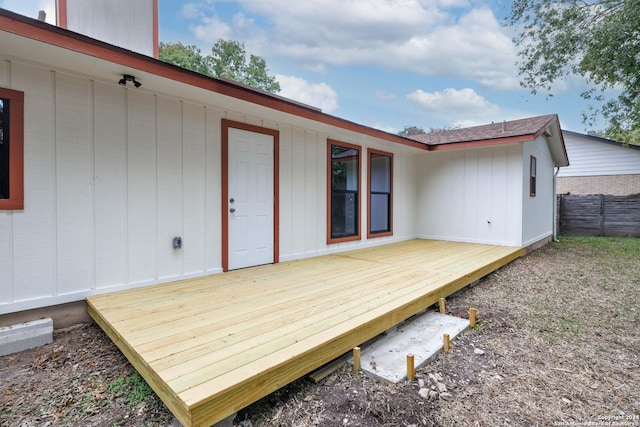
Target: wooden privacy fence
[(600, 215)]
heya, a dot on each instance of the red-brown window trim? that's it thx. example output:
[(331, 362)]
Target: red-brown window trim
[(370, 153), (358, 236), (533, 176), (16, 150)]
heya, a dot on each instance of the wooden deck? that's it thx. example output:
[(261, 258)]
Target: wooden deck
[(213, 345)]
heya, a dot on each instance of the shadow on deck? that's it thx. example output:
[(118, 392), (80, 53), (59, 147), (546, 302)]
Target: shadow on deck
[(213, 345)]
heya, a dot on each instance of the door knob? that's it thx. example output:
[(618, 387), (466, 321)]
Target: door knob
[(231, 200), (232, 210)]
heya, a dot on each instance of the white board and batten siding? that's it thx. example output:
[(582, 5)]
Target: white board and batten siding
[(590, 156), (113, 174), (482, 195), (303, 190), (473, 195), (537, 211), (125, 23), (29, 238)]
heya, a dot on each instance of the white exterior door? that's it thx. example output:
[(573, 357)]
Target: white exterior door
[(250, 205)]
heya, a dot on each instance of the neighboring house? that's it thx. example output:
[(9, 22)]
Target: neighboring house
[(116, 186), (599, 166)]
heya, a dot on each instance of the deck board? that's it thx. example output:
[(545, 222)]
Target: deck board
[(211, 346)]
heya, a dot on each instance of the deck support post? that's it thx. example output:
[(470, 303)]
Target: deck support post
[(356, 360), (472, 317), (411, 367), (442, 306), (446, 342)]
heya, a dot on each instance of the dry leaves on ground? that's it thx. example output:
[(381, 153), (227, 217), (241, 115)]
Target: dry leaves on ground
[(558, 342)]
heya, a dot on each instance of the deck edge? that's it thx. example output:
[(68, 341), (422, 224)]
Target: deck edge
[(204, 414), (175, 404)]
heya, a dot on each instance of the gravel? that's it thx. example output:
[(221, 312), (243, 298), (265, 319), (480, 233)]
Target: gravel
[(557, 343)]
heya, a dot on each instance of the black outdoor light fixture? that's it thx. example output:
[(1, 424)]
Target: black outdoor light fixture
[(129, 78)]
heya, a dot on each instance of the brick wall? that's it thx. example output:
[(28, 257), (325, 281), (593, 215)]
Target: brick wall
[(615, 185)]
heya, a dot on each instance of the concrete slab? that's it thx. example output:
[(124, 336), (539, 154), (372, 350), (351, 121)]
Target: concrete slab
[(27, 335), (386, 357)]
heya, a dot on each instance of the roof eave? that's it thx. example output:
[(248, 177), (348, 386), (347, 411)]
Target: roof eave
[(550, 130), (480, 143), (555, 141), (51, 35)]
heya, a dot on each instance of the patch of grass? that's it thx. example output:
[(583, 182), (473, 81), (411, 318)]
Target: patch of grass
[(617, 245), (132, 387), (552, 322), (600, 282)]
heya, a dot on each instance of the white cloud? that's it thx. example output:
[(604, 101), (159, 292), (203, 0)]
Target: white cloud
[(474, 48), (445, 38), (464, 107), (319, 95), (211, 30), (192, 10), (463, 100), (453, 3)]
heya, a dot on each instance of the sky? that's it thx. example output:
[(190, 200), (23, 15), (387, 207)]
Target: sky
[(386, 64)]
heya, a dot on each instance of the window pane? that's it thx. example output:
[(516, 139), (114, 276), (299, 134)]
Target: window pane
[(344, 167), (344, 214), (532, 176), (379, 213), (380, 173), (533, 167), (344, 191), (4, 148)]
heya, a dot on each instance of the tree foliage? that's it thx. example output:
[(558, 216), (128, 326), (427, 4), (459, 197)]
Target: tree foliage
[(228, 59), (411, 130), (188, 57), (598, 40)]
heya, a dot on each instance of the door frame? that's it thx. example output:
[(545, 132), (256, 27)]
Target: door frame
[(226, 124)]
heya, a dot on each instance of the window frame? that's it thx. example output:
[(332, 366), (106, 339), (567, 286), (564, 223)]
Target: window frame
[(533, 176), (370, 155), (16, 150), (358, 235)]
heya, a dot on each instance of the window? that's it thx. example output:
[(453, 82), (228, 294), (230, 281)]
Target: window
[(11, 149), (380, 194), (532, 177), (343, 200)]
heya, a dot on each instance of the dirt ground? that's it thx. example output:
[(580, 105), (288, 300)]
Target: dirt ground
[(558, 343)]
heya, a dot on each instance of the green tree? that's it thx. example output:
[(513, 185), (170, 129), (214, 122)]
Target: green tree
[(188, 57), (228, 59), (411, 130), (415, 130), (598, 40)]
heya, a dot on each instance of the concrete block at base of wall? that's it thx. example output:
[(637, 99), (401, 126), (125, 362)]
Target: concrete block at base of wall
[(24, 336), (63, 315)]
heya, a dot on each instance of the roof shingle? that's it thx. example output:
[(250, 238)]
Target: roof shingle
[(531, 126)]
